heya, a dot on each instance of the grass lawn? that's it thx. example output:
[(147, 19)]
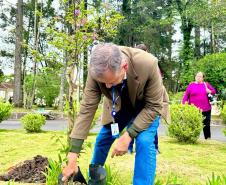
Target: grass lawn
[(190, 164)]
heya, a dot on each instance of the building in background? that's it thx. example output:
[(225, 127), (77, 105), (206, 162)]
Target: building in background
[(6, 91)]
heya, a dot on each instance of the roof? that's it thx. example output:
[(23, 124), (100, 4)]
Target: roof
[(6, 85)]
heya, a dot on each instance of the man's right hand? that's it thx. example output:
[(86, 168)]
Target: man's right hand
[(71, 168)]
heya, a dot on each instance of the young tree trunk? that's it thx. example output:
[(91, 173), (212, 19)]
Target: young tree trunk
[(17, 92), (62, 85), (85, 67), (85, 59), (36, 35)]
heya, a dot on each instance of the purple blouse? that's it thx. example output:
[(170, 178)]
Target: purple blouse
[(196, 94)]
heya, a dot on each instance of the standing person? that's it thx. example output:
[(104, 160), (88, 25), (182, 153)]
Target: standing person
[(131, 83), (197, 94), (165, 109)]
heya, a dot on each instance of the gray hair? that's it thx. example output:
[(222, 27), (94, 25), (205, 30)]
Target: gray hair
[(105, 56)]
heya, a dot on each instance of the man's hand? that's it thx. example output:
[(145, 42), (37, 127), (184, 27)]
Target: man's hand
[(71, 167), (122, 144)]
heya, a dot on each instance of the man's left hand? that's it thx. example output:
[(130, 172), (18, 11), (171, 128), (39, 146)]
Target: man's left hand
[(122, 144)]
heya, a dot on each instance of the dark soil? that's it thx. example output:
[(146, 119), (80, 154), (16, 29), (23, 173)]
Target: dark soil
[(29, 171)]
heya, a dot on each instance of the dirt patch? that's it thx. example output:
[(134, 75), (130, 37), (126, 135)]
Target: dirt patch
[(29, 171)]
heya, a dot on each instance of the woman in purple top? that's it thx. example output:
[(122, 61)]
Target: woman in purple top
[(197, 94)]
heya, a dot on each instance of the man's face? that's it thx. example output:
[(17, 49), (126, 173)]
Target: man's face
[(113, 78)]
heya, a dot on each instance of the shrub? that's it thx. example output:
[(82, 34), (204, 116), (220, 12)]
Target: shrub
[(33, 122), (186, 123), (5, 111), (224, 131), (176, 98), (223, 114)]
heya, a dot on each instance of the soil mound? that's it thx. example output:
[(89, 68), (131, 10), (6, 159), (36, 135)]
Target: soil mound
[(29, 171)]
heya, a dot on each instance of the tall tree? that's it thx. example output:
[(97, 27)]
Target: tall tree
[(17, 93), (186, 27), (197, 52), (1, 76)]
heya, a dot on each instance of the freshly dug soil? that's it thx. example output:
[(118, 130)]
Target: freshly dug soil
[(29, 171)]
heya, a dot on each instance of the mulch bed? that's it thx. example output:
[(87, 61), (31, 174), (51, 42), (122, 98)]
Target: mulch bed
[(29, 171)]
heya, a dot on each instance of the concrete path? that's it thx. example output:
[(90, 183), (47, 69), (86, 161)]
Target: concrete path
[(216, 130), (50, 125)]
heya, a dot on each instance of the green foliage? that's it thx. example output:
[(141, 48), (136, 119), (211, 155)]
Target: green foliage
[(216, 180), (213, 67), (171, 179), (33, 122), (223, 114), (224, 131), (5, 111), (89, 24), (176, 98), (97, 115), (47, 86), (11, 182), (53, 171), (186, 123), (1, 76), (112, 176)]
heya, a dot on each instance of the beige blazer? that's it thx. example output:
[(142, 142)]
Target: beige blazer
[(144, 84), (165, 109)]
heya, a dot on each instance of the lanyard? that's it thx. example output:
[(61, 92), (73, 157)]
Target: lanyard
[(114, 99)]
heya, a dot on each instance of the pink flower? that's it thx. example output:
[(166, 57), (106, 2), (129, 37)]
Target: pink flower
[(94, 35), (77, 12)]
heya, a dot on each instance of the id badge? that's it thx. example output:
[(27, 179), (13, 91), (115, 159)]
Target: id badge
[(114, 130)]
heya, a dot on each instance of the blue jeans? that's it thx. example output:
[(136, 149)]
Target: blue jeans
[(145, 159), (130, 148)]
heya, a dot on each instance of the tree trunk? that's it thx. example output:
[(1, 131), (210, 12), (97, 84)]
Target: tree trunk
[(212, 39), (62, 85), (17, 92), (186, 28), (25, 62), (36, 35), (197, 42), (85, 58), (85, 67)]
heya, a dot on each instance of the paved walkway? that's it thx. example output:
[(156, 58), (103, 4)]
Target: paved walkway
[(216, 130), (50, 125)]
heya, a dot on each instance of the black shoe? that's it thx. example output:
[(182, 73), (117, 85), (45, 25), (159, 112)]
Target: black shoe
[(97, 175)]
